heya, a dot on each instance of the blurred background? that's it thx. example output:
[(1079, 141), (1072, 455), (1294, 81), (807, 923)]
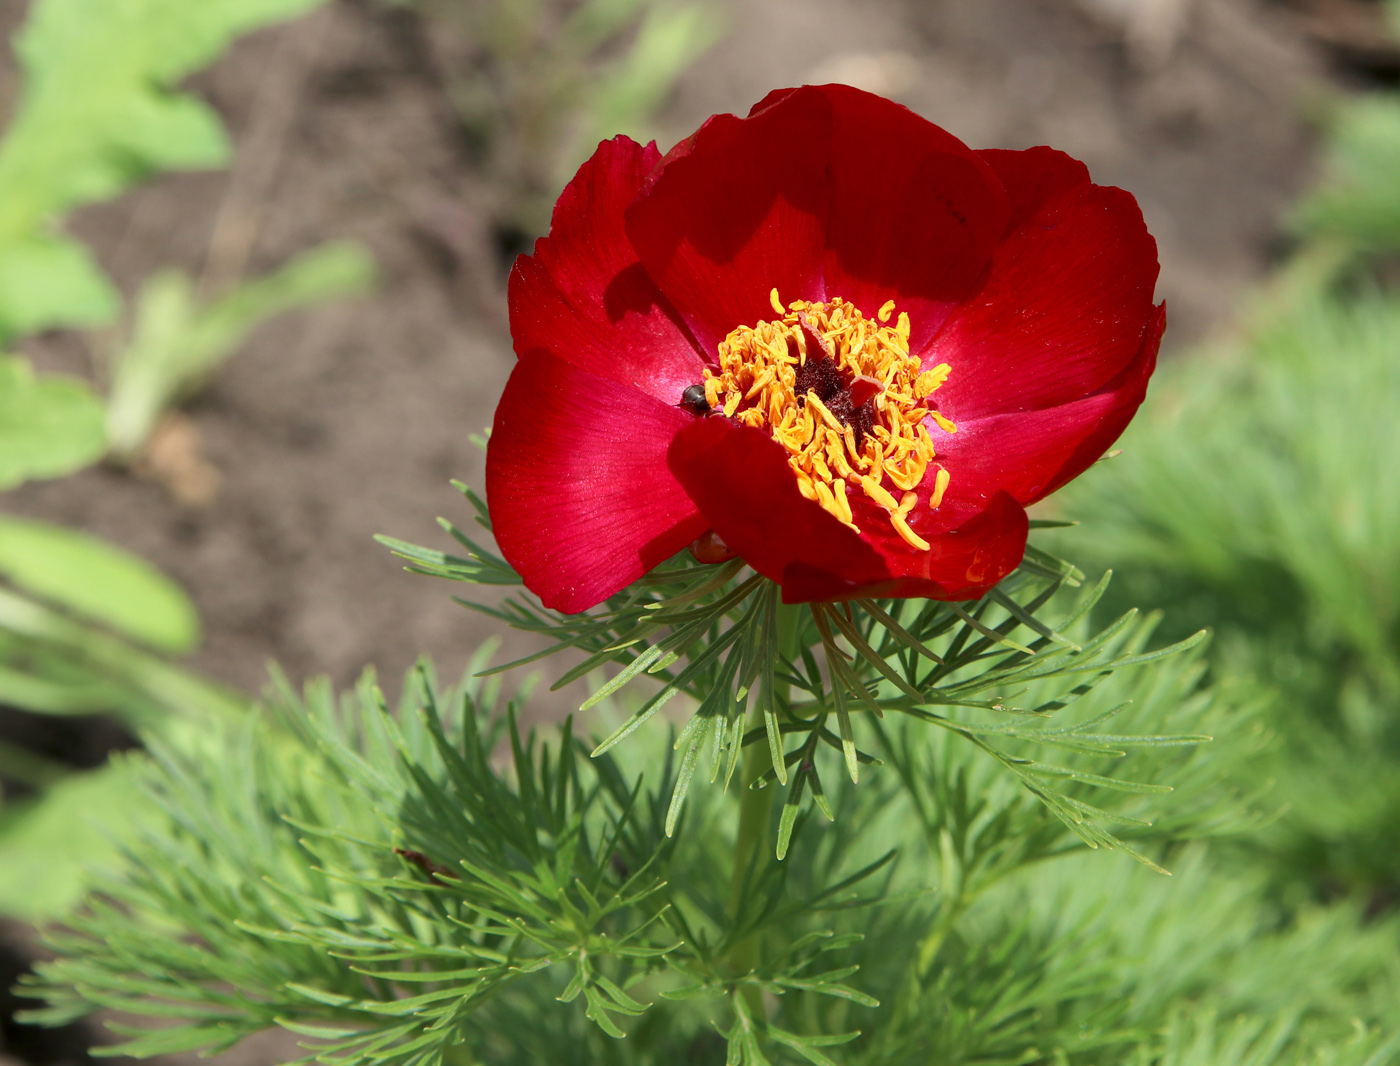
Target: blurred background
[(291, 338), (430, 133)]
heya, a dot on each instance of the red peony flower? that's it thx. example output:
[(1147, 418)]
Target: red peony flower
[(828, 338)]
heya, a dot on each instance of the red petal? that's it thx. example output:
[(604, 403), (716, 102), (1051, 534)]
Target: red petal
[(585, 296), (1033, 178), (740, 480), (581, 499), (915, 214), (1068, 302), (735, 211), (1030, 454), (960, 564), (822, 191)]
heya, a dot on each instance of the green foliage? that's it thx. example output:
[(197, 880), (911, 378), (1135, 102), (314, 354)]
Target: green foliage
[(1257, 494), (1268, 476), (54, 663), (959, 669), (98, 113), (1360, 201), (104, 583), (177, 344), (54, 849), (383, 886), (394, 845), (1357, 205), (48, 426)]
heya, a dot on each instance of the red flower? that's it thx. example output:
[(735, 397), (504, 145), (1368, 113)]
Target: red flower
[(901, 343)]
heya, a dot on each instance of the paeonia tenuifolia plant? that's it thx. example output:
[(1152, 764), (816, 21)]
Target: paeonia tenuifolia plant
[(783, 397)]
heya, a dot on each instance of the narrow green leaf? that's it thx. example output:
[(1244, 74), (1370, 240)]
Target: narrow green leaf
[(49, 426), (698, 736), (990, 634), (94, 578)]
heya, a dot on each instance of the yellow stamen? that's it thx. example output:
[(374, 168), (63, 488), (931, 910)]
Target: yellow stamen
[(759, 383), (911, 538), (830, 419), (843, 504), (940, 486), (831, 448), (879, 494), (907, 476), (929, 380)]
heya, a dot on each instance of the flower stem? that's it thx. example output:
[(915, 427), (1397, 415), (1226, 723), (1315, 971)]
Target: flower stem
[(755, 810), (458, 1055), (754, 834)]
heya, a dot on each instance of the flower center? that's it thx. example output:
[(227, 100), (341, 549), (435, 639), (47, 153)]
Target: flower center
[(843, 396)]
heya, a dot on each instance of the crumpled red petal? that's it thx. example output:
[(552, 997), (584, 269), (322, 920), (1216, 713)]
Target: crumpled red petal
[(1030, 454), (582, 502), (1068, 303), (737, 210), (584, 294), (799, 197), (960, 564), (885, 221), (740, 480)]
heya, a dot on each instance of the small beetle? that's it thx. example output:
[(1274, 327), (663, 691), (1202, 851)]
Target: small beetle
[(693, 400)]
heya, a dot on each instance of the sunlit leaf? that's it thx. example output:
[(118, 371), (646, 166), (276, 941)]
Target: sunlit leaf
[(94, 578), (49, 426)]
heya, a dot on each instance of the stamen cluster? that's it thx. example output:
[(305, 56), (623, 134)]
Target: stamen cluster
[(843, 396)]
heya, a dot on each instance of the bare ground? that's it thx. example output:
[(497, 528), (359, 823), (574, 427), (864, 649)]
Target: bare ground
[(346, 421)]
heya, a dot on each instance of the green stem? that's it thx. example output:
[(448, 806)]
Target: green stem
[(754, 836), (458, 1055), (755, 813)]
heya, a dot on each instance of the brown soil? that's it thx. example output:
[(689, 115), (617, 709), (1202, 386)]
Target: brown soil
[(346, 421)]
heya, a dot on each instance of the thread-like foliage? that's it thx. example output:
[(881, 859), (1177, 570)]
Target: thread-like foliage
[(991, 672), (380, 884)]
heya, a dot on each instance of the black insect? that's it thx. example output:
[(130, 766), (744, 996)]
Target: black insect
[(693, 400)]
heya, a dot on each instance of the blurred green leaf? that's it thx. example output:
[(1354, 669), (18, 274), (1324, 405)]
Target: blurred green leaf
[(669, 39), (75, 693), (49, 846), (49, 426), (99, 580), (177, 343), (97, 114), (46, 279), (82, 658), (595, 22), (1359, 201)]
